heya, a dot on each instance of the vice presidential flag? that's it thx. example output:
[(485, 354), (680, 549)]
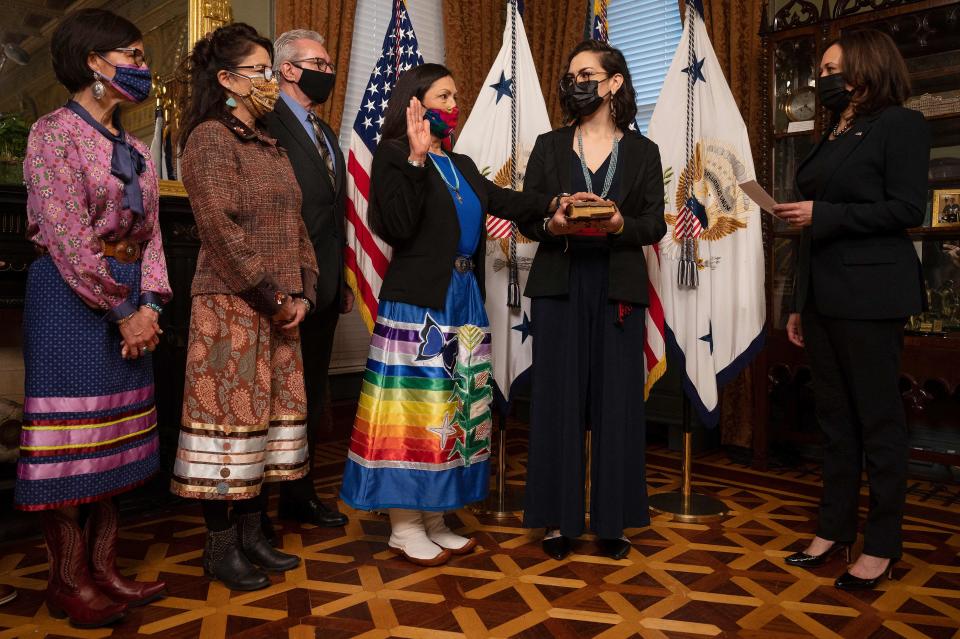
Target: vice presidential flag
[(366, 256), (506, 119), (712, 273)]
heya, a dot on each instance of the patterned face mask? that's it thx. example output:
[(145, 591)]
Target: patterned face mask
[(131, 81), (262, 97)]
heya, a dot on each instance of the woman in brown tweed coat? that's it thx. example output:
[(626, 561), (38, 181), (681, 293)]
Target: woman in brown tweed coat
[(244, 408)]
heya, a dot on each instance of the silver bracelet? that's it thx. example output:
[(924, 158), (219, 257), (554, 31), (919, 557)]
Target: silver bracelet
[(546, 225), (419, 165)]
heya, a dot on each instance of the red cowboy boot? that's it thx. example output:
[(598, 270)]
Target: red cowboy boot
[(71, 591), (101, 531)]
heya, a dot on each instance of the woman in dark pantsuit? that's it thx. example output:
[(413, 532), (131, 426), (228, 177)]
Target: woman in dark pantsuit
[(858, 279), (589, 290)]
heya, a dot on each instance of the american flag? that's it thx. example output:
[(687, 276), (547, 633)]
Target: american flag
[(367, 256), (655, 343), (599, 20)]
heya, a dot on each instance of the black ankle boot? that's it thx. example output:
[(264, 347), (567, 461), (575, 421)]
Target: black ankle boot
[(258, 550), (223, 560), (267, 527)]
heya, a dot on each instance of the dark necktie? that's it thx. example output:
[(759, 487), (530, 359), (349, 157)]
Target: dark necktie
[(322, 146)]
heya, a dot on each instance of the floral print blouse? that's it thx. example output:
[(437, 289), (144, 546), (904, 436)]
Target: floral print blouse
[(74, 202)]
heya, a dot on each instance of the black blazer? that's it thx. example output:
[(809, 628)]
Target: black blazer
[(856, 251), (412, 210), (323, 203), (640, 202)]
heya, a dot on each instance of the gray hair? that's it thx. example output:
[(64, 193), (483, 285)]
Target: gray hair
[(284, 49)]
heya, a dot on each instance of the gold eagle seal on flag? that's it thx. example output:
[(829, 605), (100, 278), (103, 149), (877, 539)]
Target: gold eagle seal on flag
[(712, 177)]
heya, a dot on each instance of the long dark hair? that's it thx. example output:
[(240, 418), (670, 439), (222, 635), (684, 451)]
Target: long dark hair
[(414, 82), (201, 96), (611, 59), (873, 66)]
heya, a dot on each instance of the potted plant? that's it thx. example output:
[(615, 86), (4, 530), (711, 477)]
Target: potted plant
[(13, 146)]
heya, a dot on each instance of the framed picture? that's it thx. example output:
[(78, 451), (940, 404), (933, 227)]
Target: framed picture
[(946, 207)]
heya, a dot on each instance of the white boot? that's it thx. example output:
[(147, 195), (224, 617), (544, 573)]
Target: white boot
[(439, 534), (408, 538)]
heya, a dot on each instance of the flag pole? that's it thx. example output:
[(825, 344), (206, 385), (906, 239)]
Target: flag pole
[(506, 501), (685, 505)]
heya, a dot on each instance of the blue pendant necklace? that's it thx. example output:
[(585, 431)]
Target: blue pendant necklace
[(453, 171)]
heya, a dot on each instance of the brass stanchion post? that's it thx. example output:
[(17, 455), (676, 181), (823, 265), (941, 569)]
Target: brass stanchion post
[(687, 506), (505, 500)]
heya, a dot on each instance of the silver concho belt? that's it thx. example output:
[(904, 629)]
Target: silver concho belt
[(463, 264)]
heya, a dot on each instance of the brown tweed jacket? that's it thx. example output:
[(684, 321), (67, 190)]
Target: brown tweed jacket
[(246, 203)]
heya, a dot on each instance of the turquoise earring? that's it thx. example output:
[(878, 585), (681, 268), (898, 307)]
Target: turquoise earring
[(231, 102)]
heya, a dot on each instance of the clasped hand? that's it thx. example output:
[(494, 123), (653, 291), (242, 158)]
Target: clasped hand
[(140, 333), (561, 224), (291, 313)]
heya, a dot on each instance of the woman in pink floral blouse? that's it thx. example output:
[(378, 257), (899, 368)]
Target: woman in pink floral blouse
[(90, 319)]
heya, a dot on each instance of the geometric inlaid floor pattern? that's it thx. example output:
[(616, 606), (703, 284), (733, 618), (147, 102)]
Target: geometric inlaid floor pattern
[(680, 580)]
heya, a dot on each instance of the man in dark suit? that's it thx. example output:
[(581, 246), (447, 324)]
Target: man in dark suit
[(305, 73)]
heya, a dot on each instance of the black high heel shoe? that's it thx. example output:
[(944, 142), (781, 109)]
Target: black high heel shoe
[(803, 560), (846, 581)]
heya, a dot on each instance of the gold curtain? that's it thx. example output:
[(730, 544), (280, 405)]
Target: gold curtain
[(474, 33), (553, 29), (734, 30), (333, 19)]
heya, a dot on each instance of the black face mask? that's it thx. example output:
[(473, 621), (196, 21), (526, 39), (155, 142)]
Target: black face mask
[(833, 93), (580, 99), (316, 85)]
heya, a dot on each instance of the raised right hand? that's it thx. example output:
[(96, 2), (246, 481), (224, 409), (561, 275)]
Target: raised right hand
[(418, 131)]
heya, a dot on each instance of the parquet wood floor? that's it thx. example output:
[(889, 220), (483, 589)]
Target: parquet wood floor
[(679, 581)]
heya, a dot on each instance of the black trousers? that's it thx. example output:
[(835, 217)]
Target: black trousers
[(855, 366), (316, 344), (586, 369)]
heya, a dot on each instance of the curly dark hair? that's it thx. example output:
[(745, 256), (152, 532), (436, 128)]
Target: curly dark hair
[(873, 66), (613, 63), (200, 95)]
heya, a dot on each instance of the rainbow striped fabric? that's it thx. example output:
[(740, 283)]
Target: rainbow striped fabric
[(421, 438)]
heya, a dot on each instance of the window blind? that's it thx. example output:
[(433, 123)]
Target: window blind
[(647, 31)]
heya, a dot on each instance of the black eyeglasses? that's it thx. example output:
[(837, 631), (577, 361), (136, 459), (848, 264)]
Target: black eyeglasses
[(136, 55), (323, 66), (568, 80), (262, 71)]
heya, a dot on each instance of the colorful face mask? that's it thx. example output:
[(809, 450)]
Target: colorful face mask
[(442, 123), (131, 81), (262, 97)]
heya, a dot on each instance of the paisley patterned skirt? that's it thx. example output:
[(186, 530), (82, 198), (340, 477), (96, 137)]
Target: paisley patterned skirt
[(421, 438), (244, 406)]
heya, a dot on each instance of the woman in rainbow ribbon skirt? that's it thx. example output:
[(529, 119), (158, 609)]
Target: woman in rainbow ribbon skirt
[(421, 439), (90, 317)]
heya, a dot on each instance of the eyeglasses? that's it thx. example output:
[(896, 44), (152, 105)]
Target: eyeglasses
[(262, 71), (568, 80), (324, 66), (134, 54)]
